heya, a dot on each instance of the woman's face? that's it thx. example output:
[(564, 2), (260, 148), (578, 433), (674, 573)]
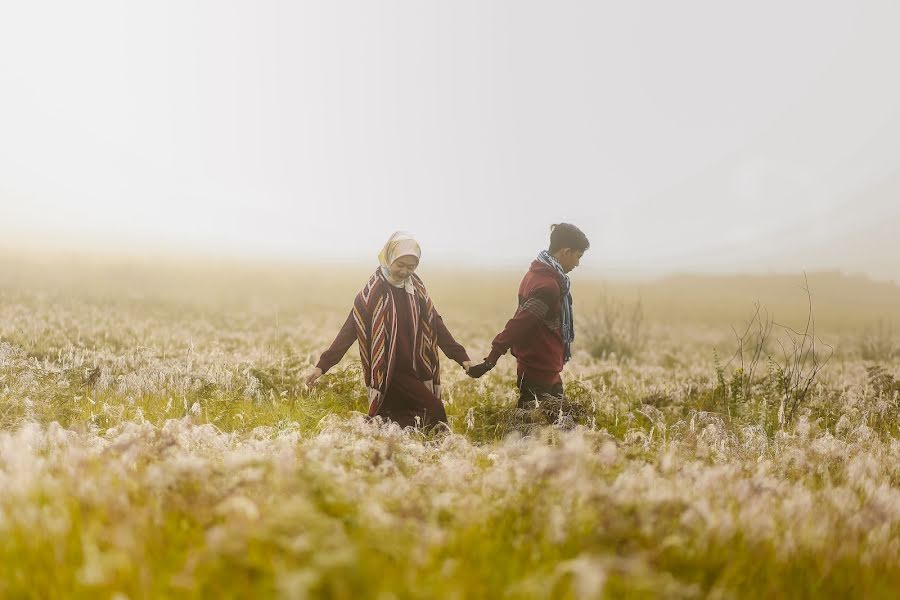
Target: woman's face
[(403, 267)]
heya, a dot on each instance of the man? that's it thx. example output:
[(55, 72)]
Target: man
[(541, 332)]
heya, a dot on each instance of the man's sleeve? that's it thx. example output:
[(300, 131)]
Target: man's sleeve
[(530, 314)]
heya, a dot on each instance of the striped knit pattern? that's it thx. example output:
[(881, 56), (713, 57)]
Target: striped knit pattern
[(376, 329)]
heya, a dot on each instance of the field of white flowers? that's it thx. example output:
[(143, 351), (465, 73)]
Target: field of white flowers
[(156, 440)]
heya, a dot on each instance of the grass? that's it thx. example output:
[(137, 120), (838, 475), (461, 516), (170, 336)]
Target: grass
[(157, 441)]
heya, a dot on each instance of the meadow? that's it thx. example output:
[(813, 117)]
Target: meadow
[(156, 440)]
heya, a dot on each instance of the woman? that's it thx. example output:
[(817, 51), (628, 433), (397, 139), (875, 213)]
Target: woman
[(399, 332)]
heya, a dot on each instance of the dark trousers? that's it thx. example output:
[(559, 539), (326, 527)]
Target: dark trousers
[(531, 393)]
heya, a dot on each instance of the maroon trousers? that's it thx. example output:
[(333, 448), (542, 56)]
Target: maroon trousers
[(409, 403)]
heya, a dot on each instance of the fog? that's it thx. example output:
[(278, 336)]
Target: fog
[(690, 136)]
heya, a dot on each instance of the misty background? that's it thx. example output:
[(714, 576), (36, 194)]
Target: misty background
[(694, 136)]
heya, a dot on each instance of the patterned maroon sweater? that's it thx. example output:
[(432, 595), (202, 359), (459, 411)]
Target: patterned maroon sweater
[(534, 334), (347, 335)]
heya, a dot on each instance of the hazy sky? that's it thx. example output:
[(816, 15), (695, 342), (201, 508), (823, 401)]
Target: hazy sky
[(678, 135)]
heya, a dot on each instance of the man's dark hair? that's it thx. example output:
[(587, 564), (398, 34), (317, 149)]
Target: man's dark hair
[(566, 235)]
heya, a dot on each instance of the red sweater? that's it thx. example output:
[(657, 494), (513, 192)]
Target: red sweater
[(347, 335), (534, 334)]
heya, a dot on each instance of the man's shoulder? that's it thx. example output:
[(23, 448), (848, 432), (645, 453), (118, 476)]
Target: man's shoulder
[(539, 283)]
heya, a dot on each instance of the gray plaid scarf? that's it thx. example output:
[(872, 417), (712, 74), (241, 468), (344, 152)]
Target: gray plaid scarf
[(565, 285)]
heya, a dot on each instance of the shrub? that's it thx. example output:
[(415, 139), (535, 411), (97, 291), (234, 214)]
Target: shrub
[(614, 328), (790, 372), (877, 342)]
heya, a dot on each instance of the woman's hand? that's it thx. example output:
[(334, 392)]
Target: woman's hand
[(466, 365), (313, 377)]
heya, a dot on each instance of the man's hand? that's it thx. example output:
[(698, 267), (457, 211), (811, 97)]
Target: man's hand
[(467, 364), (313, 377), (479, 369)]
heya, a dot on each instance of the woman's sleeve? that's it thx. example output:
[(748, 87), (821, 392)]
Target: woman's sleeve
[(345, 338), (450, 346)]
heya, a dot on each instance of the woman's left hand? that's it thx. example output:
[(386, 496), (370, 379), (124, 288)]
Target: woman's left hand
[(313, 377), (466, 365)]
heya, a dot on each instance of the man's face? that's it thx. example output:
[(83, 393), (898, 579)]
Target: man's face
[(403, 267), (569, 258)]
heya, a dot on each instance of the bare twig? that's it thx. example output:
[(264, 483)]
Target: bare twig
[(801, 359)]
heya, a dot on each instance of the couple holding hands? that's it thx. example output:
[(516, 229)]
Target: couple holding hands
[(399, 332)]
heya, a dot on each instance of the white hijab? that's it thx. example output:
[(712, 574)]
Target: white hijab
[(399, 244)]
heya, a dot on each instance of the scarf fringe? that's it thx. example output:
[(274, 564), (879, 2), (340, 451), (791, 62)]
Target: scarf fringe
[(434, 388), (374, 401)]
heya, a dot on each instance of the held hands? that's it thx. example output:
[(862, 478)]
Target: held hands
[(313, 377), (480, 369)]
